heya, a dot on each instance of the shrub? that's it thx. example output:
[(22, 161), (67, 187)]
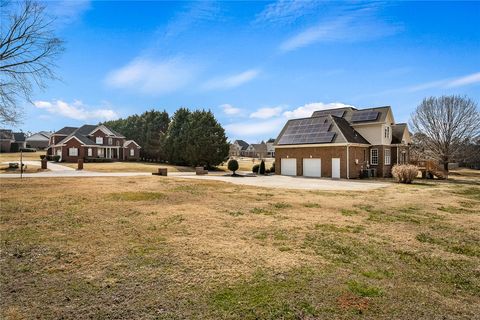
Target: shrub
[(267, 170), (43, 157), (233, 165), (272, 168), (262, 167), (404, 173), (56, 158), (255, 168)]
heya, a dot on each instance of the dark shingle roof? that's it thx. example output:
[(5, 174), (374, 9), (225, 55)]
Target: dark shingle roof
[(19, 136), (6, 134), (260, 147), (397, 132), (66, 130), (86, 129), (348, 132), (242, 144)]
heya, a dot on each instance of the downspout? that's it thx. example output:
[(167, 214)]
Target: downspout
[(348, 162), (397, 153)]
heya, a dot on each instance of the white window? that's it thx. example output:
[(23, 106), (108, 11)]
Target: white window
[(387, 157), (387, 132), (374, 157), (100, 152), (118, 143), (110, 141), (73, 152), (99, 140), (132, 153), (89, 152)]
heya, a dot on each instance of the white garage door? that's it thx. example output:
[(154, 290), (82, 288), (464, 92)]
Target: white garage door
[(312, 167), (336, 168), (289, 167)]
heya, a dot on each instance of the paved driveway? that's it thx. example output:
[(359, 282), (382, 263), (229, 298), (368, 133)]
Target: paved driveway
[(275, 181), (51, 165), (300, 183)]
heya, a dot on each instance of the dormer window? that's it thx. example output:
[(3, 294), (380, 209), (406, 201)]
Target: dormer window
[(99, 140), (110, 141), (387, 132)]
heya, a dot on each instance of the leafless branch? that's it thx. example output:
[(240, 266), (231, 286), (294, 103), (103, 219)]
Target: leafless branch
[(28, 52), (444, 126)]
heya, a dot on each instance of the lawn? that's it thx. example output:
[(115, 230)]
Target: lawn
[(15, 156), (128, 167), (167, 248)]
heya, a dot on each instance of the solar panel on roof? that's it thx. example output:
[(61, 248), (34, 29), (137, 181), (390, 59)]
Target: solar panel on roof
[(311, 130), (365, 116), (322, 113)]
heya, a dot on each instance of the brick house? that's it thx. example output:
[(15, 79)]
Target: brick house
[(11, 141), (340, 143), (92, 141), (238, 148)]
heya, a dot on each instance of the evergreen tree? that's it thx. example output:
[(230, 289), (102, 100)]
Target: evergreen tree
[(177, 137)]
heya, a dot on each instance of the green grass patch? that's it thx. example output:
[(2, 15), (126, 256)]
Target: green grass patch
[(349, 212), (265, 296), (364, 290), (471, 192), (311, 205), (281, 205), (257, 210), (236, 213)]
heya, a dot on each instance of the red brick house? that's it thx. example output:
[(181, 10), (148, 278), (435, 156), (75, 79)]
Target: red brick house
[(342, 143), (90, 142)]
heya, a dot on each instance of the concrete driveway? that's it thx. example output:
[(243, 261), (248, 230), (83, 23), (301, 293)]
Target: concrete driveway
[(51, 165), (274, 181), (299, 183)]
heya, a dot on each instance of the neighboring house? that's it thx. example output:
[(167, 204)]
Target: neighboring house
[(339, 143), (238, 148), (256, 150), (271, 148), (11, 141), (92, 141), (39, 140)]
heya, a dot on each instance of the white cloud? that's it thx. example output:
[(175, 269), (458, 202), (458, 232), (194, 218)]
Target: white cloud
[(447, 83), (265, 113), (307, 109), (67, 11), (463, 81), (230, 110), (252, 129), (286, 11), (76, 110), (152, 77), (193, 14), (231, 81)]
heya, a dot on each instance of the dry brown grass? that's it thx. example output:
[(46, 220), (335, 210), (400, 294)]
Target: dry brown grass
[(4, 169), (15, 156), (128, 167), (167, 248)]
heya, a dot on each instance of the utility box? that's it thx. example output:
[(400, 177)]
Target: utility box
[(44, 163)]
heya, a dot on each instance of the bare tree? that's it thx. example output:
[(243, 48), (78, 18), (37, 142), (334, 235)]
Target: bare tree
[(445, 125), (28, 50)]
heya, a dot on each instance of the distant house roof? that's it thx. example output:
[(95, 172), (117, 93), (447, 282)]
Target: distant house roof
[(397, 132), (83, 133), (66, 131), (6, 134), (242, 144), (19, 136), (259, 147)]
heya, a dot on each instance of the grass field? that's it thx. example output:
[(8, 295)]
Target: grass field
[(15, 156), (128, 167), (166, 248)]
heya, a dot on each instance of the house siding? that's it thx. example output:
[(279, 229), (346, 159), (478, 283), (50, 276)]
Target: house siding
[(73, 143), (326, 154), (126, 151)]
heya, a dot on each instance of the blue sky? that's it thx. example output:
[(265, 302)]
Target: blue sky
[(256, 64)]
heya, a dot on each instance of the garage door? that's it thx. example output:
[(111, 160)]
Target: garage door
[(312, 167), (289, 167)]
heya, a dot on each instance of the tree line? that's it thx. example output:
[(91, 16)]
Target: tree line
[(193, 138)]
